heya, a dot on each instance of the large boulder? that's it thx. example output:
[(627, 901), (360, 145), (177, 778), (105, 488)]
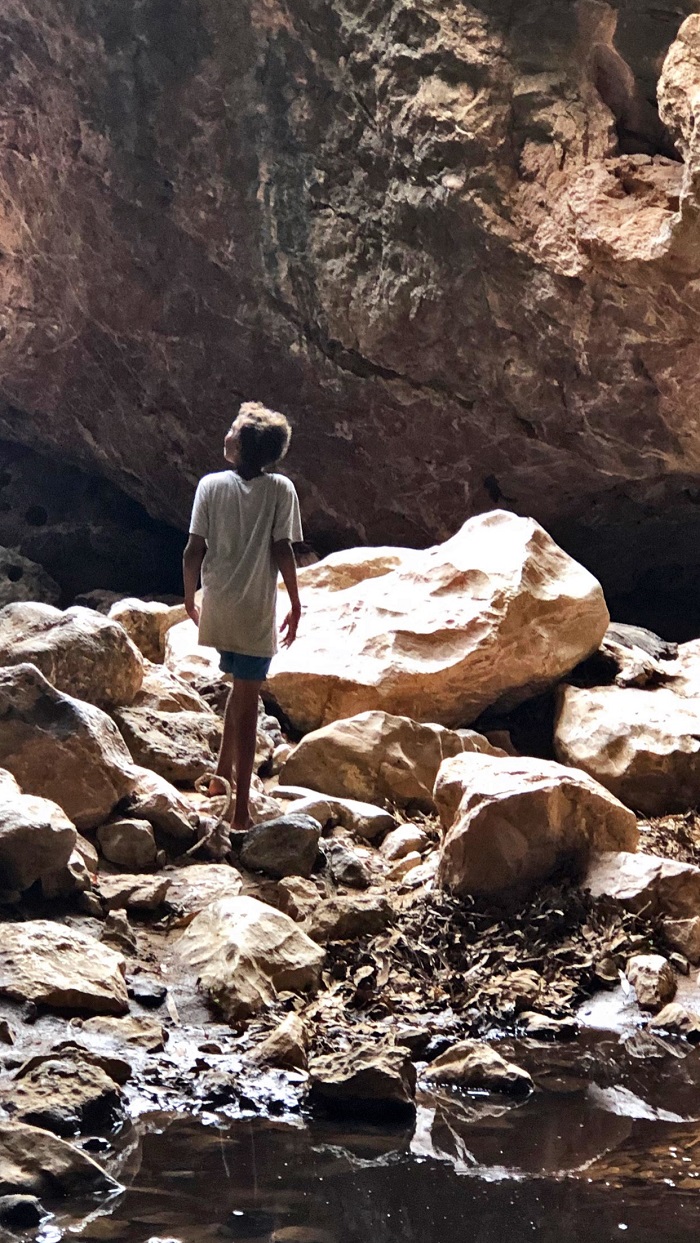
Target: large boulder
[(647, 884), (643, 745), (520, 819), (79, 651), (198, 666), (375, 756), (36, 836), (33, 1160), (60, 748), (474, 1065), (61, 967), (179, 746), (371, 1080), (245, 952), (147, 622), (65, 1094), (492, 616)]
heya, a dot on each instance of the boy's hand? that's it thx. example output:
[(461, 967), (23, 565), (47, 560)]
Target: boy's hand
[(192, 611), (288, 629)]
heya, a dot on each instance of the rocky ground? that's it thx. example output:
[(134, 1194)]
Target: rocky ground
[(412, 890)]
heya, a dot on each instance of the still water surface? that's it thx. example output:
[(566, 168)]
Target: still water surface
[(608, 1148)]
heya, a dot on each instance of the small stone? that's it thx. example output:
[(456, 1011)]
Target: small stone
[(297, 897), (148, 992), (36, 1161), (21, 1212), (343, 918), (118, 930), (684, 935), (403, 866), (53, 965), (286, 1046), (346, 867), (372, 1080), (283, 847), (473, 1064), (653, 980), (64, 1094), (403, 841), (6, 1033), (544, 1027), (133, 1029), (133, 893), (677, 1021), (128, 843)]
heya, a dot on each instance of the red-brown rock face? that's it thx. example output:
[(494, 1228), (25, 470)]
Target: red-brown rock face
[(453, 241)]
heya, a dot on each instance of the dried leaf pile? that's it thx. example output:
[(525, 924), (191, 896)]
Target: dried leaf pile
[(479, 966)]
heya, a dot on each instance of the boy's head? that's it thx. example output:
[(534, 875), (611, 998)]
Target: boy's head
[(257, 438)]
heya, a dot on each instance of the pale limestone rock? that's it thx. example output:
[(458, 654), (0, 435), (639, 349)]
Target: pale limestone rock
[(494, 615), (36, 836), (154, 799), (79, 651), (684, 935), (129, 844), (685, 670), (73, 878), (345, 917), (179, 746), (297, 897), (147, 622), (375, 756), (163, 691), (653, 980), (35, 1161), (520, 818), (677, 1021), (60, 967), (287, 846), (133, 893), (643, 745), (402, 841), (183, 655), (65, 1094), (473, 1064), (286, 1046), (60, 748), (133, 1029), (366, 1079), (87, 852), (404, 865), (195, 887), (646, 883), (245, 952), (364, 819)]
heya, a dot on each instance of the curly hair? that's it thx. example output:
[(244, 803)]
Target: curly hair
[(264, 436)]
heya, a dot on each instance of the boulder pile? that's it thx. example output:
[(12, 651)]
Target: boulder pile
[(409, 880)]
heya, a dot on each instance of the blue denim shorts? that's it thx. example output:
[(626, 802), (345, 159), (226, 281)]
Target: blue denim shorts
[(247, 668)]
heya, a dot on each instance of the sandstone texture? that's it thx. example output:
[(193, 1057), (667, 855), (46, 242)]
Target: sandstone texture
[(128, 843), (244, 953), (62, 968), (60, 748), (376, 756), (479, 229), (521, 819), (492, 616), (367, 1079), (36, 836), (78, 651), (643, 745), (287, 846), (65, 1094)]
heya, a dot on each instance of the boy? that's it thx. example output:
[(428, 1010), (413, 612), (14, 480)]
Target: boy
[(244, 522)]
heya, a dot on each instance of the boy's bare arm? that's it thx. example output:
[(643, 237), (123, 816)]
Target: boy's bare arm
[(283, 555), (192, 558)]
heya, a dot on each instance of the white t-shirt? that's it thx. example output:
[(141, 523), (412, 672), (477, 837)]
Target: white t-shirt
[(241, 519)]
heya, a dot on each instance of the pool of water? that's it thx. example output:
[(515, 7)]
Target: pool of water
[(608, 1147)]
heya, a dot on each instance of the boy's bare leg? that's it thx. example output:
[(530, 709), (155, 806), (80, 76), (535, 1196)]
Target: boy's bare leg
[(245, 730), (224, 767)]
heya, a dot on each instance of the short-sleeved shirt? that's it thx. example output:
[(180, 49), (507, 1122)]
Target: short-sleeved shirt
[(241, 519)]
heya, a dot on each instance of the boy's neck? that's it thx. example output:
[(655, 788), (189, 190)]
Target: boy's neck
[(245, 475)]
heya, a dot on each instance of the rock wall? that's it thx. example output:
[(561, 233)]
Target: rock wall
[(455, 243)]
